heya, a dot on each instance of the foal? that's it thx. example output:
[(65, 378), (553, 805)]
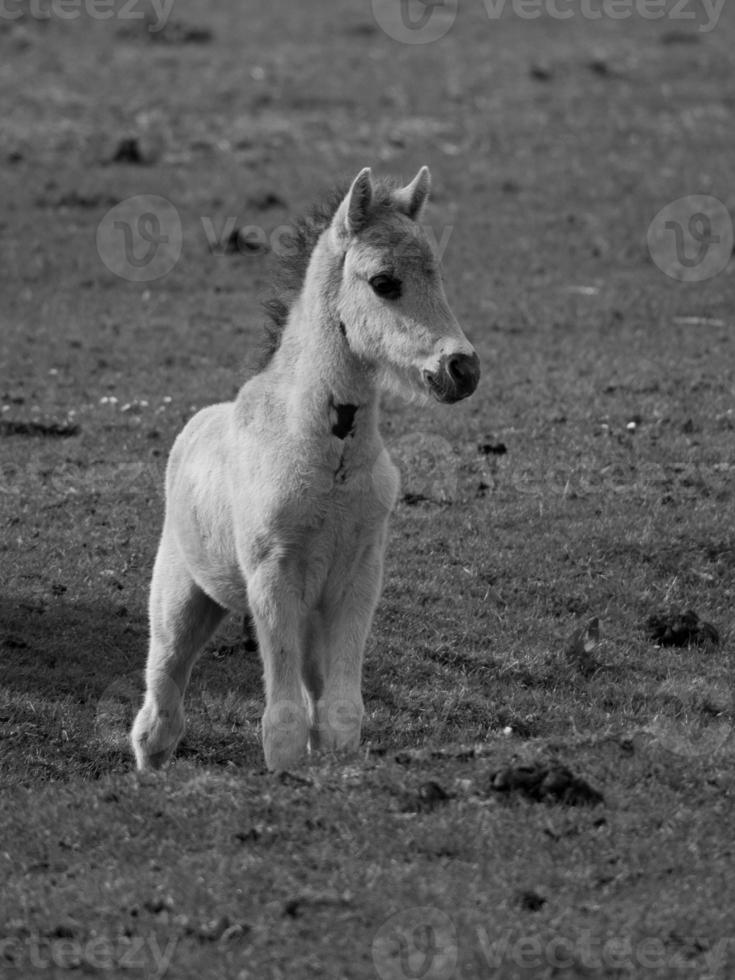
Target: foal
[(277, 503)]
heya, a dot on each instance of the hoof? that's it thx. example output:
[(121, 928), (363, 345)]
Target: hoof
[(154, 738), (338, 727), (285, 737)]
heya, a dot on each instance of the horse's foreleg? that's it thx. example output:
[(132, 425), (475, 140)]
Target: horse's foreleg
[(346, 624), (313, 668), (182, 618), (275, 604)]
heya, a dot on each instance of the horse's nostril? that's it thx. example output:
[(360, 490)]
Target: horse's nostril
[(456, 378), (464, 370), (455, 368)]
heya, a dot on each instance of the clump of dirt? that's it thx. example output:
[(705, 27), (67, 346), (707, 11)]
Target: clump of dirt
[(266, 200), (57, 430), (412, 499), (680, 629), (180, 32), (545, 784), (492, 448), (129, 150), (241, 240), (173, 32), (531, 901), (431, 795)]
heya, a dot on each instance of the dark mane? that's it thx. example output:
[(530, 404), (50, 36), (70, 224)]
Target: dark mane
[(293, 259)]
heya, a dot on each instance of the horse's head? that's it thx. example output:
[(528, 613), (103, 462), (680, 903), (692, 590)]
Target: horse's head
[(391, 299)]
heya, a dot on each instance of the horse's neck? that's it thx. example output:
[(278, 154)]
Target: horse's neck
[(329, 387)]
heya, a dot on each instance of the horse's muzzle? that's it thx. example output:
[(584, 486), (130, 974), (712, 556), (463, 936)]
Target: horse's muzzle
[(456, 378)]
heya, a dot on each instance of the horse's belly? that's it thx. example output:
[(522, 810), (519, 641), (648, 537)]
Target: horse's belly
[(224, 584), (215, 569)]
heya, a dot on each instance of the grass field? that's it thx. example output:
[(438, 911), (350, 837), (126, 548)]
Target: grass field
[(553, 144)]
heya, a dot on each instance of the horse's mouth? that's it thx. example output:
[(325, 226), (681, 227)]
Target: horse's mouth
[(447, 394)]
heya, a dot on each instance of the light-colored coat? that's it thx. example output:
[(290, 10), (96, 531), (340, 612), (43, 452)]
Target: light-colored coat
[(277, 503)]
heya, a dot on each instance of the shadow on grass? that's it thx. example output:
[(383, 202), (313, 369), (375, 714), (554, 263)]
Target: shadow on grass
[(72, 679), (61, 649)]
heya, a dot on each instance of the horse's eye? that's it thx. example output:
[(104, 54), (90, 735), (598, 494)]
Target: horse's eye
[(386, 286)]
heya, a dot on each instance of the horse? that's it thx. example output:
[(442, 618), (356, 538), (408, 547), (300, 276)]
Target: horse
[(277, 503)]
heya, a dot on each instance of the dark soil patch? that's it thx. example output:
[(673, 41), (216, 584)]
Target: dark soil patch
[(680, 629), (545, 784), (52, 430)]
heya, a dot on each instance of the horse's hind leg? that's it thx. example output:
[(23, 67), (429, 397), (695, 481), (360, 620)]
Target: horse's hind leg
[(182, 618)]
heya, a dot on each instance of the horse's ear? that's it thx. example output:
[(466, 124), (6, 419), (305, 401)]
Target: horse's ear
[(352, 214), (412, 198)]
